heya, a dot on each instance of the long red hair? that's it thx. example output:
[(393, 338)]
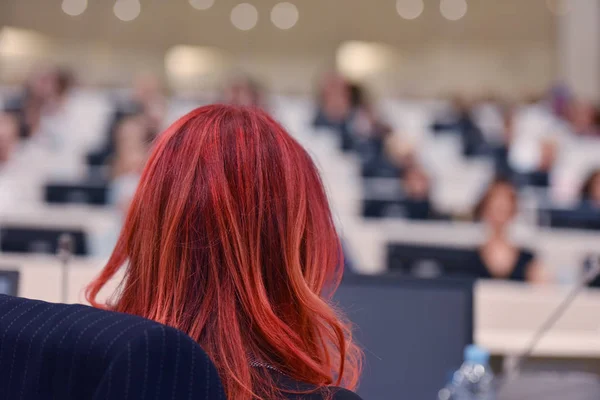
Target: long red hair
[(230, 239)]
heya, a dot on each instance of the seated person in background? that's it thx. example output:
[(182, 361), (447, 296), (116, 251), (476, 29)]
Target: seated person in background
[(535, 145), (333, 102), (244, 91), (590, 192), (43, 92), (368, 135), (583, 117), (148, 101), (416, 188), (500, 150), (461, 121), (128, 161), (498, 257), (9, 137)]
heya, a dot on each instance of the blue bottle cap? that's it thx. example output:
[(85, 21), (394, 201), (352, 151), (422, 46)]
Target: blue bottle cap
[(476, 354)]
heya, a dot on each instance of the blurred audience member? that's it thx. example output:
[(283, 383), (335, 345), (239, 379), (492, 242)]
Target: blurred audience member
[(43, 93), (489, 116), (536, 139), (333, 102), (148, 102), (584, 118), (9, 137), (129, 159), (459, 119), (244, 91), (590, 192), (559, 99), (501, 149), (498, 257), (416, 188), (416, 183)]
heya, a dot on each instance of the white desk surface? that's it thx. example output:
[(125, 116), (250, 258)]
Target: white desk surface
[(507, 315), (41, 276)]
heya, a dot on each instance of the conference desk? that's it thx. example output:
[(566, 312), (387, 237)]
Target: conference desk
[(100, 225), (508, 314), (41, 276), (505, 314)]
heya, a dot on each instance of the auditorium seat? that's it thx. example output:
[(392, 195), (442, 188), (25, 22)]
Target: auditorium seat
[(60, 351)]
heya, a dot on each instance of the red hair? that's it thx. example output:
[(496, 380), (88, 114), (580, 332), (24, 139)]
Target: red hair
[(230, 239)]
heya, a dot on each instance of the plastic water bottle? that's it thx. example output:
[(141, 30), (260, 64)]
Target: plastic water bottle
[(474, 380)]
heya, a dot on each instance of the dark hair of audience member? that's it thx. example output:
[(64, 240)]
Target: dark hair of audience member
[(590, 191)]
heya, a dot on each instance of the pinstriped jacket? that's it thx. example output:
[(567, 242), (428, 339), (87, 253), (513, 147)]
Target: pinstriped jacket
[(63, 352)]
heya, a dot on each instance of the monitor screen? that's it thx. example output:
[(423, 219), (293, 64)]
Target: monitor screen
[(413, 332)]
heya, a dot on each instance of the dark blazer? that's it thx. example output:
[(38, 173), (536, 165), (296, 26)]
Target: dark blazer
[(289, 386), (63, 352)]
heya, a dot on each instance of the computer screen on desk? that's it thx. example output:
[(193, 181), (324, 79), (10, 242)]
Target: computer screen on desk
[(9, 281), (412, 332)]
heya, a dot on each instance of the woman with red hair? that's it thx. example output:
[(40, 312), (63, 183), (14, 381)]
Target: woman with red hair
[(230, 239)]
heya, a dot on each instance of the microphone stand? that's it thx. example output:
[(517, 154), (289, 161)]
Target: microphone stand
[(547, 325), (65, 254)]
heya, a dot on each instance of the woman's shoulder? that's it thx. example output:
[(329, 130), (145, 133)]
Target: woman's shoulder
[(330, 393), (293, 389), (344, 394)]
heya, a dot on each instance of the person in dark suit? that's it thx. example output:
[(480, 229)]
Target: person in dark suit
[(76, 352), (229, 238)]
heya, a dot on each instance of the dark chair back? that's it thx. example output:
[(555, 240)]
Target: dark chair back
[(59, 351)]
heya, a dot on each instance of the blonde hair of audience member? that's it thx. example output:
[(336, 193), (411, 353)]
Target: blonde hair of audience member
[(9, 137), (497, 210)]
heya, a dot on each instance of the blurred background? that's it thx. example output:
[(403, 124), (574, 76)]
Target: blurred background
[(459, 141)]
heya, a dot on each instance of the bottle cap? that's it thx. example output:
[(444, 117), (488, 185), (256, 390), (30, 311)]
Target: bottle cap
[(476, 354)]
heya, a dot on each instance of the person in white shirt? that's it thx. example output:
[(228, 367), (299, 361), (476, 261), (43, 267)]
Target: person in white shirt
[(9, 137)]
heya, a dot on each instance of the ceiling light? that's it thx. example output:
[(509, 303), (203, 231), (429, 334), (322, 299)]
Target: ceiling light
[(453, 10), (284, 15), (202, 4), (244, 16), (127, 10), (74, 7), (410, 9)]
